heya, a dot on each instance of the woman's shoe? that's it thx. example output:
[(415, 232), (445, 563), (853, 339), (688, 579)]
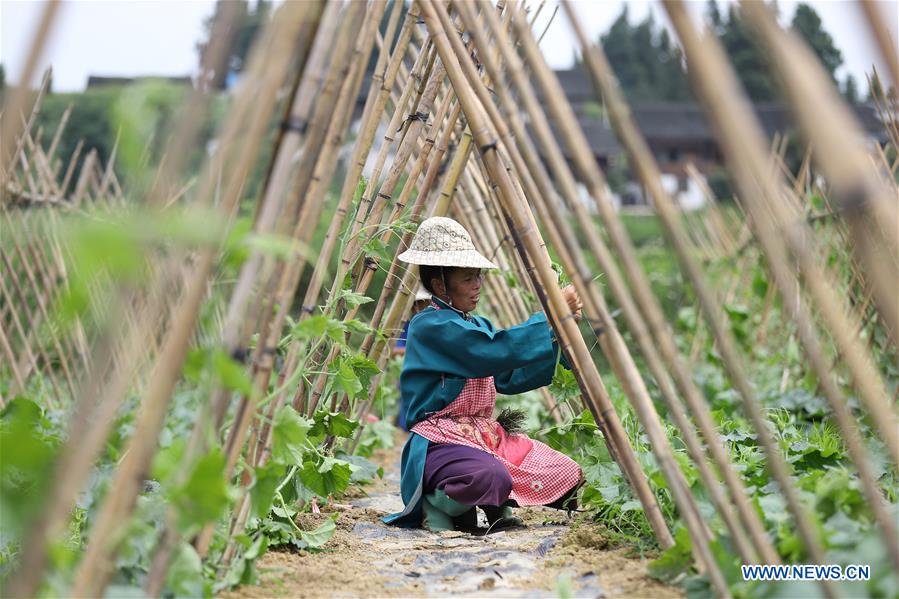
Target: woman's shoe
[(500, 517), (442, 512)]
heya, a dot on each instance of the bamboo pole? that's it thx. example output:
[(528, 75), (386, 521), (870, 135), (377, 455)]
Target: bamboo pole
[(315, 81), (523, 223), (615, 350), (498, 288), (41, 282), (399, 306), (301, 128), (744, 148), (417, 73), (427, 92), (14, 318), (839, 318), (15, 102), (34, 326), (328, 120), (877, 23), (383, 80), (864, 200), (323, 173), (400, 204), (421, 201), (18, 385), (54, 280), (272, 58), (612, 344), (349, 187), (641, 160), (818, 283), (235, 326), (70, 169), (429, 88), (76, 460)]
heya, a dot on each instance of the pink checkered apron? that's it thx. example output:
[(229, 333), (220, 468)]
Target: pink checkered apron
[(540, 474)]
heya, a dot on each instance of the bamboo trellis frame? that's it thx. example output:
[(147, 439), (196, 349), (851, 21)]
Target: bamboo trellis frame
[(439, 109)]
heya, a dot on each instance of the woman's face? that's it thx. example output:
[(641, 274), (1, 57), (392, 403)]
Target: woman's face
[(464, 288)]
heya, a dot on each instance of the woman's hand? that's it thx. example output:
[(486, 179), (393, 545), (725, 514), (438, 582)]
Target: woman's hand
[(573, 300)]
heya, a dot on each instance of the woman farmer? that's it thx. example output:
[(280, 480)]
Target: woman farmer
[(457, 455)]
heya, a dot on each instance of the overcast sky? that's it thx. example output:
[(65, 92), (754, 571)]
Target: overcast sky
[(158, 37)]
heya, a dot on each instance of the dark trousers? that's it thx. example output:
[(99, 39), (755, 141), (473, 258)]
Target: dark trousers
[(475, 477)]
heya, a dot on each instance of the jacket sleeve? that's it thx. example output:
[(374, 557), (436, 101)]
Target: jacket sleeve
[(474, 349), (527, 378), (521, 380)]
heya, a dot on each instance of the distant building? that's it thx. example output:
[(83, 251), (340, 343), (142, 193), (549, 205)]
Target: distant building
[(678, 133)]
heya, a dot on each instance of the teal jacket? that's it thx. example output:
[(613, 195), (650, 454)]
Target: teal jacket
[(444, 348)]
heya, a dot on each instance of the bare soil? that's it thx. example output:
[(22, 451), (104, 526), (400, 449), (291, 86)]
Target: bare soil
[(554, 555)]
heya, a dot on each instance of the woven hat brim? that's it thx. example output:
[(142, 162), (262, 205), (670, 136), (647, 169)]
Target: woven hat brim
[(459, 258)]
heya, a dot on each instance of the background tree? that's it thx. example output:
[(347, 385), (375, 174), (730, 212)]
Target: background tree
[(807, 23), (648, 65), (749, 59), (249, 21), (714, 18), (850, 90)]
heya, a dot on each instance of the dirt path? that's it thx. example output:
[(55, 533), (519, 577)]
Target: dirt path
[(552, 557)]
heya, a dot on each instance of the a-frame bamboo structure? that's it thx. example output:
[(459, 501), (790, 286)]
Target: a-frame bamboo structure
[(456, 86)]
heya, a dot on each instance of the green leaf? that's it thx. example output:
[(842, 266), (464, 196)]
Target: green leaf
[(364, 368), (266, 482), (205, 495), (354, 299), (686, 318), (364, 470), (564, 385), (357, 326), (360, 190), (336, 330), (312, 327), (168, 461), (27, 450), (329, 477), (760, 284), (320, 535), (376, 435), (289, 431), (675, 560), (376, 248), (185, 575), (235, 248), (332, 424), (230, 373), (347, 379), (277, 246), (737, 312), (256, 550), (195, 363)]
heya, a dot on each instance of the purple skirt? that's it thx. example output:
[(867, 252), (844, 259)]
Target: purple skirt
[(473, 477)]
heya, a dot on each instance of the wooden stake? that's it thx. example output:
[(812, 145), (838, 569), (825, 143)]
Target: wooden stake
[(523, 223)]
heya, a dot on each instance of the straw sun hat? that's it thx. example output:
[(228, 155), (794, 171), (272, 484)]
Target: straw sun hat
[(441, 241)]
